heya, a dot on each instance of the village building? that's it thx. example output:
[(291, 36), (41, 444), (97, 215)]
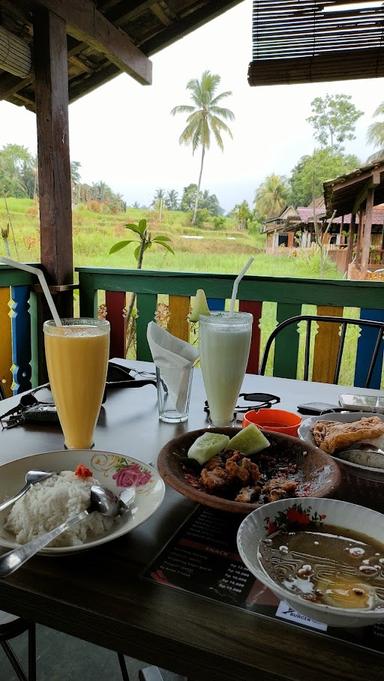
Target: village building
[(341, 233)]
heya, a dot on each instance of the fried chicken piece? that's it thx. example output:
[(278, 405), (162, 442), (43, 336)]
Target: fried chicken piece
[(331, 436), (215, 479), (248, 494), (242, 468), (216, 461), (278, 488)]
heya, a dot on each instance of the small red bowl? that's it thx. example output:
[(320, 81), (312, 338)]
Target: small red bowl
[(278, 420)]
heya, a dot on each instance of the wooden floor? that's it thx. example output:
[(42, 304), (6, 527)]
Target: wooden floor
[(64, 658)]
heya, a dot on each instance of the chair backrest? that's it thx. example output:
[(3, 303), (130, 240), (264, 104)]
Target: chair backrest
[(333, 351)]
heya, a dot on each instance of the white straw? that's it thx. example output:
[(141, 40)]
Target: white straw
[(237, 282), (40, 275)]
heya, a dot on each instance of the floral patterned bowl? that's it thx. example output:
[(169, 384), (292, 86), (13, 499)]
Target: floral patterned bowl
[(302, 514), (114, 471)]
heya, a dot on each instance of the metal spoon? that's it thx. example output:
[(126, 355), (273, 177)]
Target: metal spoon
[(102, 500), (31, 478)]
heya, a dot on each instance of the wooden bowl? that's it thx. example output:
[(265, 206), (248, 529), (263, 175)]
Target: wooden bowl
[(318, 474)]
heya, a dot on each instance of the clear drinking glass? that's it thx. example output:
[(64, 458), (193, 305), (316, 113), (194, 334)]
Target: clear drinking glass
[(77, 361), (225, 340), (174, 393)]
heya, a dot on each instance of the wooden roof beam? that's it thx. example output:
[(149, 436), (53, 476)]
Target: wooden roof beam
[(187, 22), (85, 23), (373, 175)]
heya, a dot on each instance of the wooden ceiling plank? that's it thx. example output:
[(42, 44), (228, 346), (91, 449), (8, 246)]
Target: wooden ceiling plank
[(120, 14), (10, 85), (85, 23), (79, 64), (160, 14), (25, 101), (185, 24)]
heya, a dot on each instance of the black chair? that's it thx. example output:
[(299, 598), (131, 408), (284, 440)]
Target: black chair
[(343, 323), (10, 627)]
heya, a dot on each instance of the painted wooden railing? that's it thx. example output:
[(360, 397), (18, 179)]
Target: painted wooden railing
[(255, 294), (269, 299), (18, 331)]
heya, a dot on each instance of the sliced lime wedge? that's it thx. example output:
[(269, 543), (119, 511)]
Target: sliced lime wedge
[(200, 306), (250, 440), (206, 446)]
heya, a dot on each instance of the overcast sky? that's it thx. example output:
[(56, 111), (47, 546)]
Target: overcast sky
[(123, 132)]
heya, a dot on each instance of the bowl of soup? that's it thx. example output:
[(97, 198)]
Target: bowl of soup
[(324, 557)]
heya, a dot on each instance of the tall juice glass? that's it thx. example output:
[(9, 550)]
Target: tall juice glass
[(77, 361), (225, 339)]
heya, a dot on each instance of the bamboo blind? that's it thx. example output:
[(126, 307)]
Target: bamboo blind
[(297, 41), (15, 54)]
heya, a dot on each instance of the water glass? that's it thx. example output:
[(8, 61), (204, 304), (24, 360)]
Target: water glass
[(174, 393)]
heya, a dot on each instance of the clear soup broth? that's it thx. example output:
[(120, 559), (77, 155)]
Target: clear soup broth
[(330, 565)]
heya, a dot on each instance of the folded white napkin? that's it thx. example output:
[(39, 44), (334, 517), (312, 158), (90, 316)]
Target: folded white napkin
[(175, 359)]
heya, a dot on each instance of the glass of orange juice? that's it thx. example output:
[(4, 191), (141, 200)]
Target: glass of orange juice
[(77, 360)]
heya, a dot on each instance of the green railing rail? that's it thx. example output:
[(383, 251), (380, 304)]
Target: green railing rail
[(269, 299), (289, 294)]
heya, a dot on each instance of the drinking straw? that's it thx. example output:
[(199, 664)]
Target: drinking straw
[(40, 275), (237, 282)]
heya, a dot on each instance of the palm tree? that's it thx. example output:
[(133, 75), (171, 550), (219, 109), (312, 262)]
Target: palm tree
[(171, 200), (271, 197), (376, 134), (205, 117)]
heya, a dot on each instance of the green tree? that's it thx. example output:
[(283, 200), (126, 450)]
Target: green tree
[(312, 171), (158, 198), (75, 180), (242, 214), (333, 119), (206, 117), (158, 202), (376, 134), (271, 197), (188, 198), (172, 200), (207, 201), (18, 171)]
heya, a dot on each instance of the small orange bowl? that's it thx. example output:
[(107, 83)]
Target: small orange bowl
[(278, 420)]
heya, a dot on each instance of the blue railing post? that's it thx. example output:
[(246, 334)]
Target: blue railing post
[(21, 339)]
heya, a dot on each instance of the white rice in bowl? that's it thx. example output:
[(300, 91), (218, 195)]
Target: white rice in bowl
[(49, 503)]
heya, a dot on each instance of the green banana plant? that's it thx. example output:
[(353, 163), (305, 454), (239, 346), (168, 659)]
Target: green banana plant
[(144, 240)]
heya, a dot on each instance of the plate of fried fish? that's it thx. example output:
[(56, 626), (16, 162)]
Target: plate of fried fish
[(356, 441), (356, 437)]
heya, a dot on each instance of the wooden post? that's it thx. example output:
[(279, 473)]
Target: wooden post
[(351, 236), (366, 240), (51, 91), (359, 239)]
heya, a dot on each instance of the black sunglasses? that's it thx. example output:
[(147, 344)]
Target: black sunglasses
[(40, 408), (34, 407), (260, 401)]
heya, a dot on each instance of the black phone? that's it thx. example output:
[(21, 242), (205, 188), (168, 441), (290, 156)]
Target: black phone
[(316, 408)]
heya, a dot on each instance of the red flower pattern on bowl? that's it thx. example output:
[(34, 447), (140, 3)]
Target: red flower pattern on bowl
[(131, 476), (294, 518)]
